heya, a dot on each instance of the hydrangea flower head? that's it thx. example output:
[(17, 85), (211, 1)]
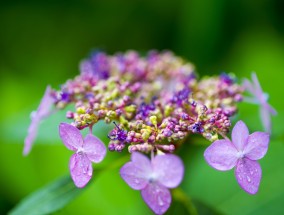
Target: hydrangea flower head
[(242, 152), (259, 97), (155, 101), (42, 112), (88, 150), (154, 178)]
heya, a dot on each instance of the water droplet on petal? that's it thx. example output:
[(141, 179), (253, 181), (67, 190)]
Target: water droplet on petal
[(160, 201), (249, 179), (136, 181)]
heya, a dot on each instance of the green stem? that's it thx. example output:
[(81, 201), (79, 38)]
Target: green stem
[(182, 197)]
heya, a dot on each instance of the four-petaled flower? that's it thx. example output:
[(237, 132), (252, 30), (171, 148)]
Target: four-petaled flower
[(243, 152), (259, 97), (154, 178), (42, 112), (88, 150)]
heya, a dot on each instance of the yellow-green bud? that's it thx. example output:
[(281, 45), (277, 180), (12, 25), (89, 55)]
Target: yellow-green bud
[(153, 120), (168, 110), (81, 110), (130, 108), (111, 114)]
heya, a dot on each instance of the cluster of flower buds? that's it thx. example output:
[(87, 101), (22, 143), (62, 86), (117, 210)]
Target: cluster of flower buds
[(155, 103), (156, 100)]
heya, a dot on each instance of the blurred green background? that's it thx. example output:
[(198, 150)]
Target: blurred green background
[(42, 42)]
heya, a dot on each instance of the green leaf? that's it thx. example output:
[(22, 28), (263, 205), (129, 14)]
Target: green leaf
[(49, 198), (57, 194)]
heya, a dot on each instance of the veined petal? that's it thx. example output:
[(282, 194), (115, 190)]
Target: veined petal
[(94, 148), (137, 172), (133, 175), (257, 145), (157, 197), (258, 89), (32, 132), (248, 86), (271, 109), (221, 155), (248, 174), (266, 119), (169, 169), (42, 112), (71, 136), (240, 135), (45, 104), (143, 162), (81, 169)]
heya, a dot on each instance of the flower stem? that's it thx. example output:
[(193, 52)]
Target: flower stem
[(182, 197)]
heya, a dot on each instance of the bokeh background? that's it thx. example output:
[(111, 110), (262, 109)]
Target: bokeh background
[(42, 42)]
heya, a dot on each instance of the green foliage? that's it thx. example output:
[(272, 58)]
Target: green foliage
[(48, 199), (42, 43)]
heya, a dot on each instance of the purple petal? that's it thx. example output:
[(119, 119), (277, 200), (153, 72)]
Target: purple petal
[(45, 104), (266, 119), (248, 86), (81, 169), (265, 112), (240, 135), (248, 174), (221, 155), (71, 136), (257, 145), (42, 112), (143, 162), (169, 169), (94, 148), (137, 172), (32, 132), (257, 87), (271, 110), (157, 197)]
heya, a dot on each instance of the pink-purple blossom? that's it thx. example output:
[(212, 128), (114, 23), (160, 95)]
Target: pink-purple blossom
[(260, 98), (42, 112), (242, 152), (154, 178), (87, 150)]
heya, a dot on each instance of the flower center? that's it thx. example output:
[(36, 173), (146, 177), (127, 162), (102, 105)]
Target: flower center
[(152, 178), (80, 151), (240, 154)]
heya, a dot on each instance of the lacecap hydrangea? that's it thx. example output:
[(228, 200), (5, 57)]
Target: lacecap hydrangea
[(155, 102)]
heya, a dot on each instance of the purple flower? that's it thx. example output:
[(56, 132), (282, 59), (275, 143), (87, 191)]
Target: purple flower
[(88, 150), (259, 97), (226, 78), (242, 152), (118, 134), (42, 112), (154, 178), (180, 96)]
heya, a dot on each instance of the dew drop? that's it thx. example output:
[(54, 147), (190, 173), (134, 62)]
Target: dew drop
[(160, 201), (249, 179), (136, 181)]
